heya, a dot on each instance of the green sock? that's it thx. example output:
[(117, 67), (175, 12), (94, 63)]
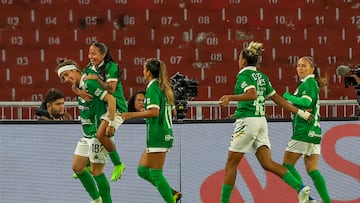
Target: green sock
[(89, 184), (292, 181), (104, 188), (320, 185), (144, 172), (294, 172), (226, 193), (162, 185), (115, 158)]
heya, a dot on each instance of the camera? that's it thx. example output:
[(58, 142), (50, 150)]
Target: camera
[(185, 89), (350, 81), (346, 71)]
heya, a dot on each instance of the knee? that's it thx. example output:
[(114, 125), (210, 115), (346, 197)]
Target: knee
[(77, 169)]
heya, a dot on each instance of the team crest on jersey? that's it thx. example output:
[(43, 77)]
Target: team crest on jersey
[(98, 91)]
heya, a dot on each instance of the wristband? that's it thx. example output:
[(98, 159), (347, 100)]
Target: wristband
[(112, 124), (303, 114)]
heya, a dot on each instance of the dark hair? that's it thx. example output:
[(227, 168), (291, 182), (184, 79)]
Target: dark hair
[(52, 95), (252, 52), (107, 59), (153, 65), (64, 61), (158, 70), (131, 102)]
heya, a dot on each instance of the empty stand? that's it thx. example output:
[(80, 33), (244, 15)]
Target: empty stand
[(17, 39), (16, 16), (205, 20), (198, 38)]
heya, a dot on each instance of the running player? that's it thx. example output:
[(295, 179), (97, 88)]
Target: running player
[(159, 104), (251, 90)]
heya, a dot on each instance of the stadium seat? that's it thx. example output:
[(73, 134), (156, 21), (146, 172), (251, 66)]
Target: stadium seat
[(16, 38), (187, 36)]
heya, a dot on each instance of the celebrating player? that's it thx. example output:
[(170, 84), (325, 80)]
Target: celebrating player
[(251, 90), (89, 148), (104, 70)]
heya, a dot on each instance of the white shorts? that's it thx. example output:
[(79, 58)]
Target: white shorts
[(118, 119), (303, 148), (93, 149), (249, 132)]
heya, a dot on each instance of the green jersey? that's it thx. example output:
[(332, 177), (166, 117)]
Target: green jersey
[(111, 74), (159, 129), (91, 111), (247, 78), (302, 129)]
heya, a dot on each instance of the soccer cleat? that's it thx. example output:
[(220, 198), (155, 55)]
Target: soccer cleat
[(177, 196), (304, 194), (75, 176), (98, 200), (118, 171), (311, 200)]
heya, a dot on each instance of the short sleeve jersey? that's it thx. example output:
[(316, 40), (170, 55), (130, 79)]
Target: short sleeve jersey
[(111, 70), (91, 111), (248, 78), (302, 129), (159, 129)]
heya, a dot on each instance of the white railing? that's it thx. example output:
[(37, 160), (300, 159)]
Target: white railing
[(197, 110)]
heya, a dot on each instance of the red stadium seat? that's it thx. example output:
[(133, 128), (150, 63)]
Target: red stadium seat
[(197, 38)]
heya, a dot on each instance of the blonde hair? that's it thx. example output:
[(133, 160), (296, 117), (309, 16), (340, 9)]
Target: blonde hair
[(158, 70)]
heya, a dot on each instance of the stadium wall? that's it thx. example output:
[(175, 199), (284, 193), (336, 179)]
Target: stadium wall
[(36, 164)]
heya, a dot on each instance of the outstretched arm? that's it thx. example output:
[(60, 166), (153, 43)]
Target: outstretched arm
[(250, 94), (304, 101), (152, 112), (286, 105)]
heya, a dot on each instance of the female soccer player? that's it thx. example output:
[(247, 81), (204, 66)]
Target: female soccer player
[(251, 90), (89, 148), (306, 136), (103, 69), (159, 103)]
